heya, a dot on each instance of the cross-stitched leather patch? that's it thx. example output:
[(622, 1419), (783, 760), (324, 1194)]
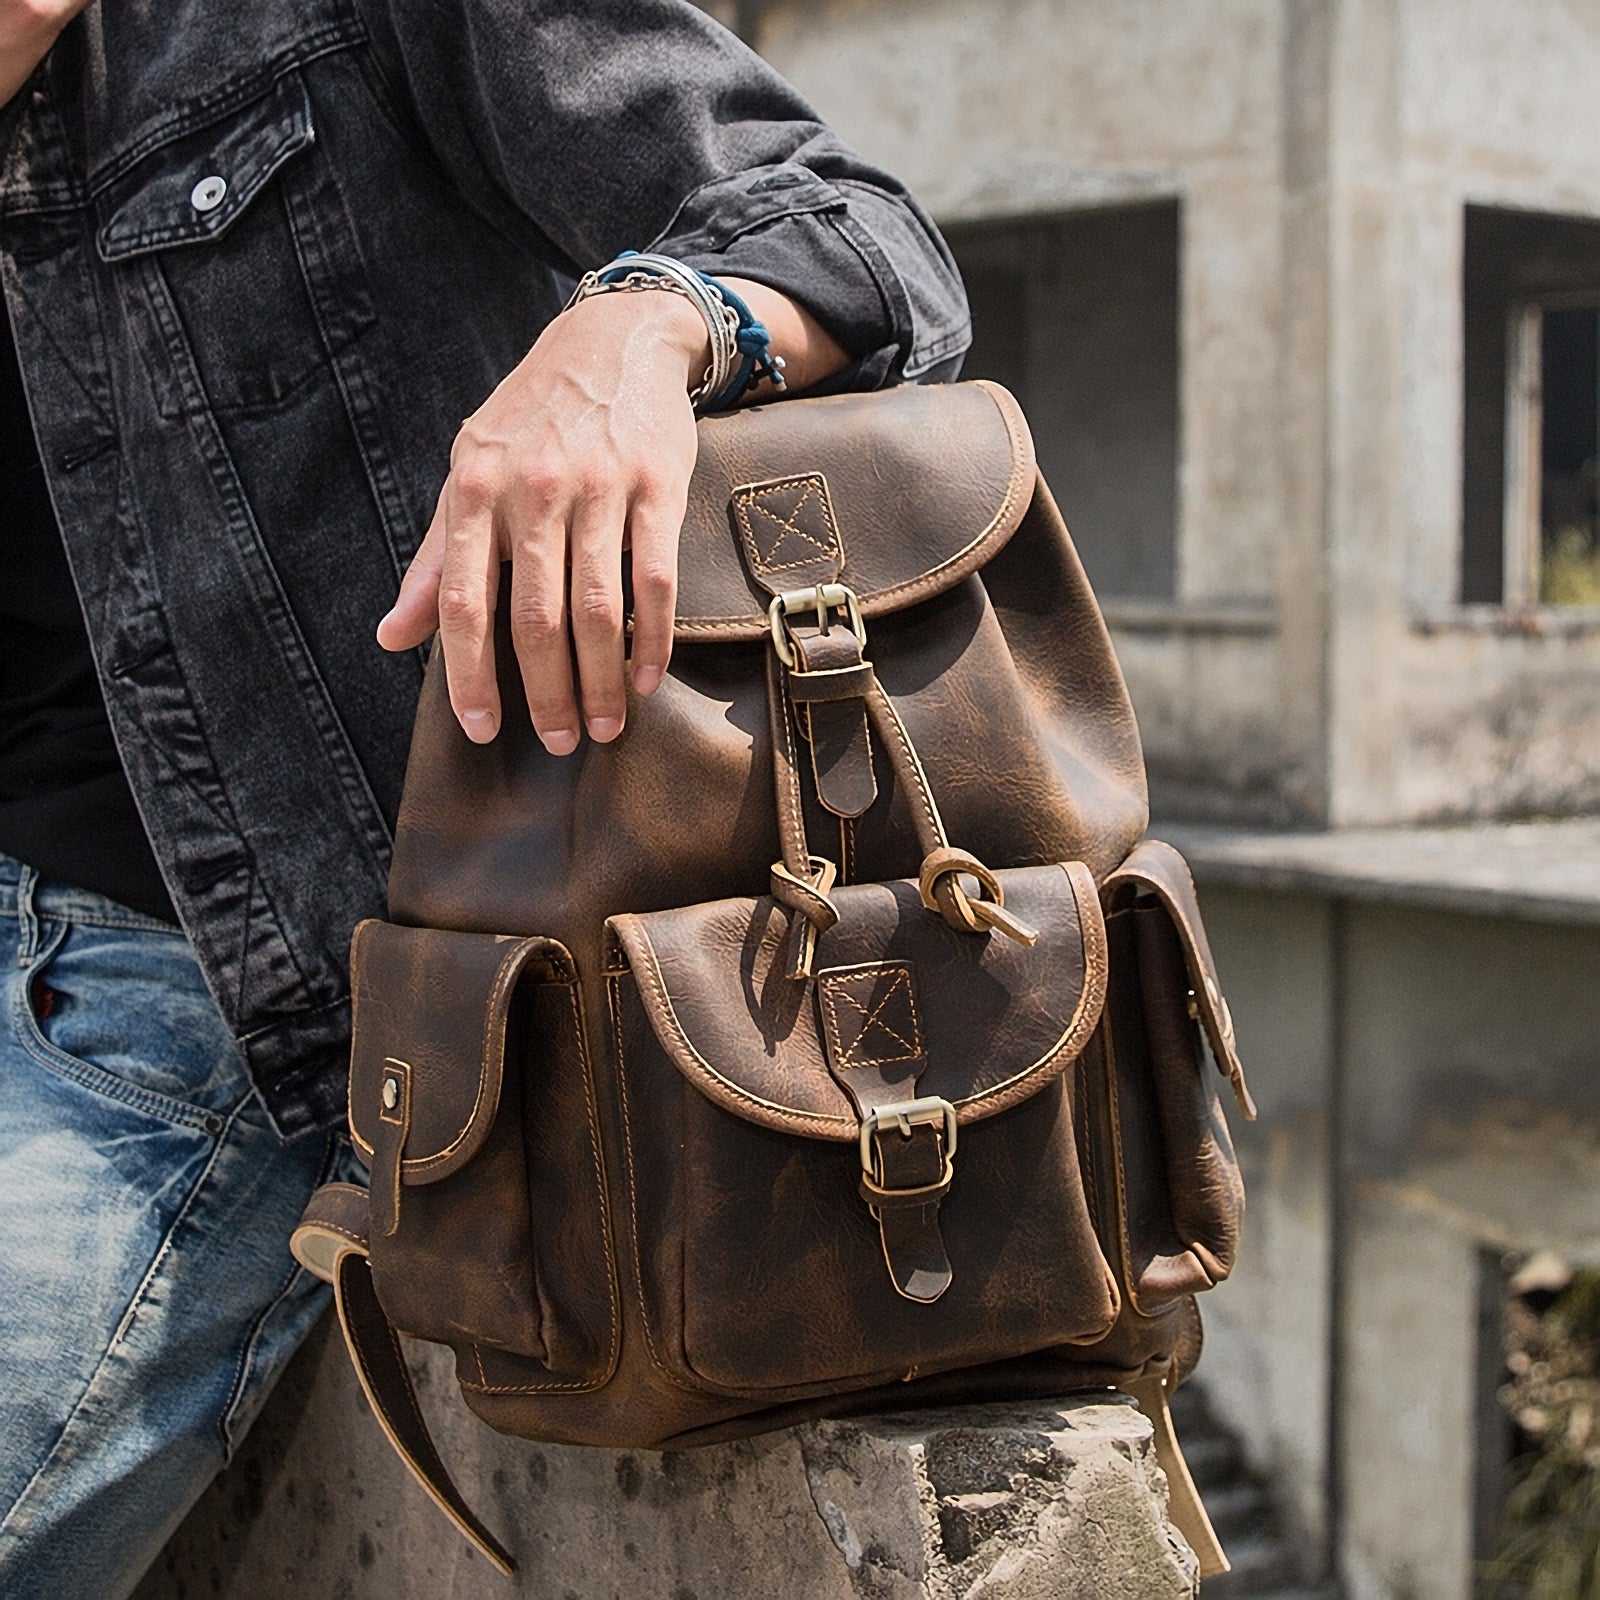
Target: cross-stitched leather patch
[(788, 528), (870, 1014)]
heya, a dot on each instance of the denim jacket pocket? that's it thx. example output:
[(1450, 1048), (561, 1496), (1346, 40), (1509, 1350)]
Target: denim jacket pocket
[(195, 186), (202, 230)]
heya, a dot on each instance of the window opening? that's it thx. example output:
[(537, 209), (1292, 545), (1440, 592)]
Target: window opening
[(1530, 520), (1078, 316)]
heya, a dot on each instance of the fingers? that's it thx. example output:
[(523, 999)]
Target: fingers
[(654, 523), (588, 442), (596, 615), (539, 628), (469, 580), (451, 588), (414, 617)]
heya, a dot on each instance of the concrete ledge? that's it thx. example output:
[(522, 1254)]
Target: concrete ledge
[(1538, 871), (1059, 1499)]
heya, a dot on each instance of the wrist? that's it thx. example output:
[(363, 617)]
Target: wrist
[(738, 342), (664, 330), (682, 331)]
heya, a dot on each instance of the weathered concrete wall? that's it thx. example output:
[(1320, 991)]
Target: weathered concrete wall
[(1042, 1502), (1430, 1092), (1436, 103), (1023, 107), (1322, 152), (1269, 1339)]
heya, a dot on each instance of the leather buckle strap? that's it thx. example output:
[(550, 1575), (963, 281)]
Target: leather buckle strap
[(822, 599), (903, 1116), (907, 1152), (827, 686)]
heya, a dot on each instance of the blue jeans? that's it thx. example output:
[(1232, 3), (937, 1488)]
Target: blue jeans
[(147, 1298)]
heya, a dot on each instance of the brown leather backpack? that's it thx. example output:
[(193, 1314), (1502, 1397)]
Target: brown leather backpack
[(828, 1043)]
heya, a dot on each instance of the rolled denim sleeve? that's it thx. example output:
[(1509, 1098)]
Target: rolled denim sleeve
[(595, 126)]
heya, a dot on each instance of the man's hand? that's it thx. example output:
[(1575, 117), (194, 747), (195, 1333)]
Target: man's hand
[(586, 447), (583, 452), (27, 30)]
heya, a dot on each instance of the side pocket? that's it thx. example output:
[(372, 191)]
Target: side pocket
[(1179, 1198), (471, 1103)]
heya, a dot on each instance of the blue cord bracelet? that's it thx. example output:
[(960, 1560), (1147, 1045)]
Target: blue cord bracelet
[(754, 341)]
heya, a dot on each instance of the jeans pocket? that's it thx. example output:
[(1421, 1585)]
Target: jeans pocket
[(123, 1012)]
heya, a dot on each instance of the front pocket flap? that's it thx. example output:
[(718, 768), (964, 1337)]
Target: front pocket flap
[(1156, 868), (974, 1019), (192, 188), (429, 1011)]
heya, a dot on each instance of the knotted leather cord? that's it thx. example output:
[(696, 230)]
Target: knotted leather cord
[(800, 886)]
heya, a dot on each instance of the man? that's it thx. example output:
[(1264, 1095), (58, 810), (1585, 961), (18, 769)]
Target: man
[(259, 261)]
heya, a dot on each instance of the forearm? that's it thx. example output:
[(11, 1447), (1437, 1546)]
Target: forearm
[(27, 30)]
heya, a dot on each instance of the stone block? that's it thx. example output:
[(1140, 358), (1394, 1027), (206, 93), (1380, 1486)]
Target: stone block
[(1061, 1499)]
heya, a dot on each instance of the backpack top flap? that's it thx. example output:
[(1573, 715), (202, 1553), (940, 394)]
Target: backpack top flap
[(898, 494), (977, 1021)]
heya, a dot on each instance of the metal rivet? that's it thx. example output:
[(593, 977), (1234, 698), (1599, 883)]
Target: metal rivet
[(208, 194), (391, 1094)]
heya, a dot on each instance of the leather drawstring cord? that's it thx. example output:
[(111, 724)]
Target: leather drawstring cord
[(943, 866), (801, 881)]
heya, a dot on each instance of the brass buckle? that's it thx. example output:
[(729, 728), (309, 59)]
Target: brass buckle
[(903, 1116), (822, 598)]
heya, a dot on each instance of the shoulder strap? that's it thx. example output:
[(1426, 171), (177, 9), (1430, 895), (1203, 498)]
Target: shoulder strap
[(331, 1242), (1184, 1504)]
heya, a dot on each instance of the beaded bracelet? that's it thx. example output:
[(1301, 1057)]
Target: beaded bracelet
[(741, 346)]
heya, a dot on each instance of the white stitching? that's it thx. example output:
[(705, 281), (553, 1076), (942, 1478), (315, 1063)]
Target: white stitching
[(965, 560), (747, 499), (997, 1097), (836, 985)]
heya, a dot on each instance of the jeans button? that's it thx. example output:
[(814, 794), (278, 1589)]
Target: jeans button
[(208, 194)]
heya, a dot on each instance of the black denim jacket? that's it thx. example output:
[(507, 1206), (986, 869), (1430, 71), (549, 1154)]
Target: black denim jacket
[(261, 260)]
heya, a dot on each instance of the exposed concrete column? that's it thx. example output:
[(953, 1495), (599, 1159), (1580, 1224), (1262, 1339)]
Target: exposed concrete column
[(1055, 1499), (1269, 1329), (1366, 568), (1303, 398)]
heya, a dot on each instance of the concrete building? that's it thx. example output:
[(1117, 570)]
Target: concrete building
[(1301, 296)]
